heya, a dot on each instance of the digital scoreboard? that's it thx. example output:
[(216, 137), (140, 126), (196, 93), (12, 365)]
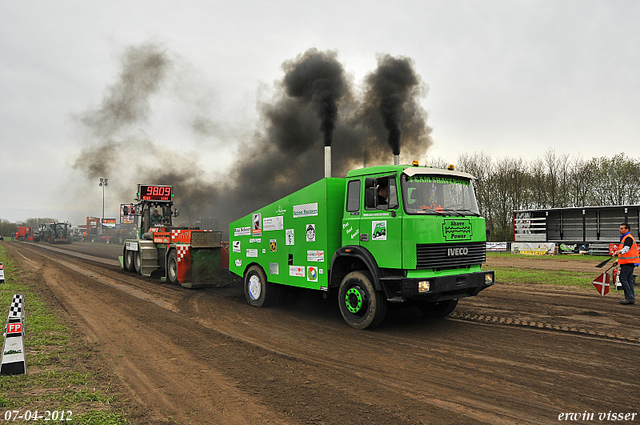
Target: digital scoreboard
[(148, 192)]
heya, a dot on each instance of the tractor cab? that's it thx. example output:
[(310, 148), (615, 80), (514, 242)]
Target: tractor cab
[(154, 211), (154, 215)]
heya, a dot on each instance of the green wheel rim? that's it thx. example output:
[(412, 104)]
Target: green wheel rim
[(354, 300)]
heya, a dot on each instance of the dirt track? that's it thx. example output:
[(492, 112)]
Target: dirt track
[(514, 354)]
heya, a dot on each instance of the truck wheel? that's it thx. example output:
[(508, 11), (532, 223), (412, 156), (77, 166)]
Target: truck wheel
[(137, 260), (439, 309), (257, 291), (129, 264), (361, 306), (172, 267)]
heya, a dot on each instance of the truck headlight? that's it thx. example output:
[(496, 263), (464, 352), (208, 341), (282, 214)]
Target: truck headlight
[(424, 286), (488, 278)]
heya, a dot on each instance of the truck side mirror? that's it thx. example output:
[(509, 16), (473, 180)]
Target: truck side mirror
[(371, 197)]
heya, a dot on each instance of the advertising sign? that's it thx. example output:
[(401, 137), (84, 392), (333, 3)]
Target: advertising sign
[(109, 222), (496, 246), (127, 213), (530, 248)]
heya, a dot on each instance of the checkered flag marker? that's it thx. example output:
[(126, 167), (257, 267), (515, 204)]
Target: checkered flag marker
[(1, 273), (13, 362), (16, 309)]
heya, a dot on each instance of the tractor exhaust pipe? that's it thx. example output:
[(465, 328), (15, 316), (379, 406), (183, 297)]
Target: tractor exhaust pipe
[(396, 159), (327, 161)]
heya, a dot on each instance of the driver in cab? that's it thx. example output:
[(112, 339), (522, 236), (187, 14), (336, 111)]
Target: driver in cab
[(383, 193), (156, 218)]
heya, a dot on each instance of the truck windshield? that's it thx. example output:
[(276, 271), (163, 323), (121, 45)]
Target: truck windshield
[(438, 195)]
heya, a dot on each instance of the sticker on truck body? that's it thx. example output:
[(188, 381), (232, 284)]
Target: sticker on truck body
[(274, 268), (273, 223), (256, 226), (379, 230), (296, 271), (131, 246), (242, 231), (236, 247), (290, 239), (305, 210), (252, 253), (312, 274), (310, 230), (457, 229), (315, 256)]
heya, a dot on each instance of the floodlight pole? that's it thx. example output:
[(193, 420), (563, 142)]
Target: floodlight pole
[(103, 184)]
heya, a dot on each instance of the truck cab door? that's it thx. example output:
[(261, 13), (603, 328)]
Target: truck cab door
[(376, 226), (351, 217), (381, 221)]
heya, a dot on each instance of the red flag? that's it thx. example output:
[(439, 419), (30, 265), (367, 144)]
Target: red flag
[(602, 284)]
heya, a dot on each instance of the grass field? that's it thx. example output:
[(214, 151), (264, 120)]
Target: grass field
[(533, 276), (582, 258), (518, 274), (59, 376)]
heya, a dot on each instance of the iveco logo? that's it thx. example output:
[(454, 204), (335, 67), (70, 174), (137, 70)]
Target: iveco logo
[(456, 252)]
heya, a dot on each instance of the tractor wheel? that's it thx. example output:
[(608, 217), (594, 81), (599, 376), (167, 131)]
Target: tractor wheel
[(137, 260), (361, 306), (439, 309), (172, 267), (257, 291), (129, 261)]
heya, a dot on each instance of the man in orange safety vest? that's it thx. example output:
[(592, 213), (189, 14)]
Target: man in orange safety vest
[(627, 253)]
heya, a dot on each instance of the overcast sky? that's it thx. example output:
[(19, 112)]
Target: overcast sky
[(508, 78)]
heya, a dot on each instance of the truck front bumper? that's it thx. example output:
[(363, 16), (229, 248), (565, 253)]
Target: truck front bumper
[(434, 289)]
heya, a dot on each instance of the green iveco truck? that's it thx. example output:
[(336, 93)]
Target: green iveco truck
[(423, 244)]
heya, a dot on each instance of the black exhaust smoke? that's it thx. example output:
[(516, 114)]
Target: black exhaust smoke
[(318, 78), (392, 90), (283, 153)]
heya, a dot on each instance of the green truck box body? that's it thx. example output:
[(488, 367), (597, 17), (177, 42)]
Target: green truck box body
[(293, 238), (278, 240)]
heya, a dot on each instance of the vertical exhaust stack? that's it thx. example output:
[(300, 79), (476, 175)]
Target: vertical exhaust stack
[(327, 161), (396, 159)]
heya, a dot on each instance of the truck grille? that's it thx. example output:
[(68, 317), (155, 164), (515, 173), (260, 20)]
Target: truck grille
[(450, 255)]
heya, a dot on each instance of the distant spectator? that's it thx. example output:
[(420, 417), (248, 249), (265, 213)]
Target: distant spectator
[(627, 253)]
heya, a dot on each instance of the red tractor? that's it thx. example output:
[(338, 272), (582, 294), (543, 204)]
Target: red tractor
[(23, 233), (187, 256)]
